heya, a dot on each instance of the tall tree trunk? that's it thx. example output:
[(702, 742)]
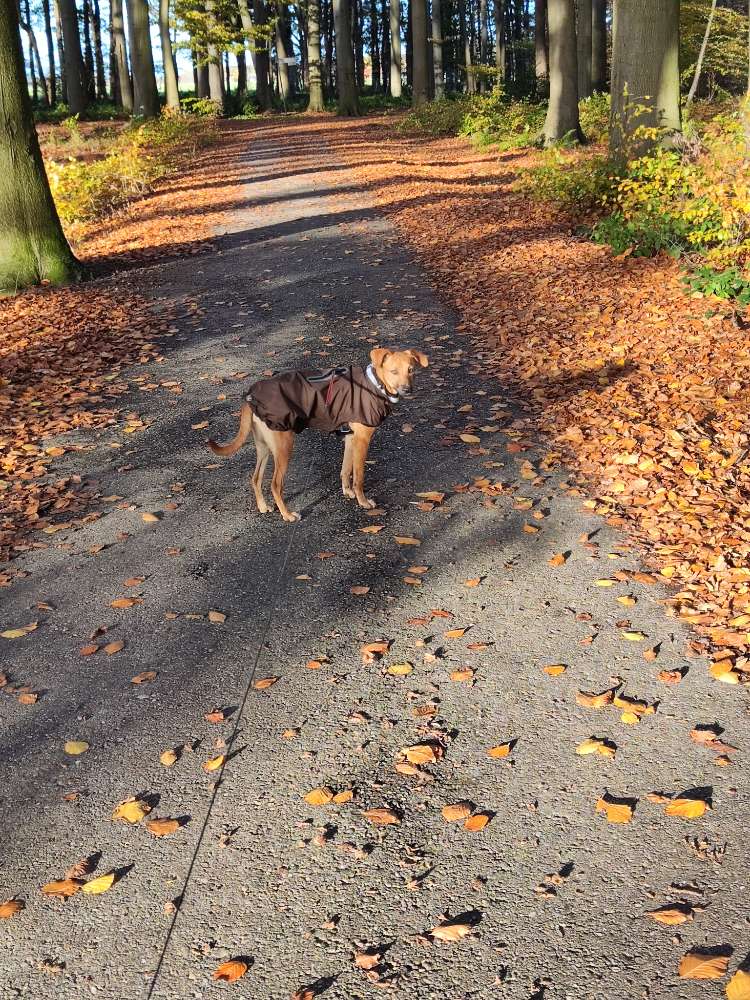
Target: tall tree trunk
[(385, 46), (599, 46), (315, 104), (119, 46), (499, 19), (88, 52), (52, 86), (283, 50), (35, 61), (241, 72), (645, 73), (145, 94), (25, 23), (541, 49), (437, 50), (358, 42), (201, 86), (562, 113), (215, 76), (374, 46), (466, 44), (347, 89), (262, 57), (96, 24), (701, 57), (408, 46), (484, 41), (32, 245), (584, 38), (395, 35), (74, 70), (420, 81), (171, 86), (246, 22)]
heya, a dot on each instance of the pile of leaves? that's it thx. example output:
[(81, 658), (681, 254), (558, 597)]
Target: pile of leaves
[(62, 349), (640, 385)]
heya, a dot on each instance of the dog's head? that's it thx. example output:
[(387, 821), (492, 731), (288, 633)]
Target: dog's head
[(396, 369)]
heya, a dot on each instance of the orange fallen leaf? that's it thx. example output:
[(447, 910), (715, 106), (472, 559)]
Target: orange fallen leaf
[(62, 888), (501, 750), (359, 590), (162, 827), (477, 822), (10, 908), (616, 810), (456, 812), (125, 602), (462, 675), (559, 559), (686, 808), (114, 647), (671, 915), (144, 678), (601, 700), (555, 669), (381, 817), (455, 633), (231, 971), (264, 682), (214, 763), (701, 965), (450, 931), (320, 796)]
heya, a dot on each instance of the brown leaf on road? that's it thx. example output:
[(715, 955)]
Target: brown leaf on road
[(359, 590), (304, 993), (231, 971), (381, 817), (215, 715), (162, 827), (10, 908), (672, 915), (89, 650), (264, 682), (451, 931), (589, 700), (703, 965), (125, 602), (457, 812), (217, 617), (372, 651), (62, 888), (144, 678), (321, 796), (477, 822), (114, 647)]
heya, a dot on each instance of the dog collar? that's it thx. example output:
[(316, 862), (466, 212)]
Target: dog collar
[(382, 391)]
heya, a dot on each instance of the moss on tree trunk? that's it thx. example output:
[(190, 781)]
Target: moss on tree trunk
[(32, 245)]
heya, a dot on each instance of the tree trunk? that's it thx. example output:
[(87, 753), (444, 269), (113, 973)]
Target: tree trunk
[(35, 60), (241, 72), (420, 83), (145, 94), (246, 21), (541, 49), (395, 32), (119, 46), (347, 89), (484, 41), (96, 24), (701, 57), (262, 58), (599, 46), (374, 46), (74, 70), (466, 44), (645, 73), (385, 46), (499, 19), (562, 113), (584, 36), (25, 23), (88, 52), (32, 245), (60, 53), (357, 40), (171, 86), (201, 87), (52, 86), (437, 50), (315, 104)]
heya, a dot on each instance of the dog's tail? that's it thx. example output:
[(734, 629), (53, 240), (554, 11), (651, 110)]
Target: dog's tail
[(246, 425)]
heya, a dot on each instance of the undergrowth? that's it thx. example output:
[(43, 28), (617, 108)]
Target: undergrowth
[(138, 156)]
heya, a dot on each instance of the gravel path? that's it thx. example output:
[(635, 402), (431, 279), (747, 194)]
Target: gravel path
[(553, 895)]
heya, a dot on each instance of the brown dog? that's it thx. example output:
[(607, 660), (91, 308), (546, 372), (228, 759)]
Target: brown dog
[(349, 401)]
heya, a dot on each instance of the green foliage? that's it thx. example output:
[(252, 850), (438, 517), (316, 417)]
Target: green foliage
[(578, 185), (202, 107), (495, 120), (725, 64), (382, 102), (593, 113), (436, 118), (729, 283), (84, 191), (97, 111)]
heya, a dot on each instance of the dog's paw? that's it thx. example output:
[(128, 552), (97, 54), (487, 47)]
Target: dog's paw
[(263, 509), (366, 503), (349, 493), (293, 516)]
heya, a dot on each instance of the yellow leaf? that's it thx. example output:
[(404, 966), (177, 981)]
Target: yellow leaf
[(11, 908), (596, 746), (381, 817), (406, 540), (605, 583), (630, 718), (671, 915), (400, 669), (616, 811), (555, 669), (341, 797), (454, 633), (213, 764), (469, 438), (168, 758), (686, 808), (18, 633), (231, 971), (464, 674), (698, 965), (319, 796), (456, 812), (501, 750), (421, 753), (634, 636), (131, 810), (150, 518), (477, 822), (162, 827), (626, 600), (738, 987), (589, 700), (75, 747), (99, 885)]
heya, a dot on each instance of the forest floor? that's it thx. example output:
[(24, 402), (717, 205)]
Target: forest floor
[(154, 623)]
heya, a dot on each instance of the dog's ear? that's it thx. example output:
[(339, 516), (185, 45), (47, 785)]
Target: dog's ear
[(378, 356), (421, 359)]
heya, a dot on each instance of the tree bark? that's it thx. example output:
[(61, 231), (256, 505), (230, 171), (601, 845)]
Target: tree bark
[(645, 74), (562, 113), (96, 24), (262, 57), (171, 86), (385, 45), (498, 14), (35, 60), (119, 46), (25, 23), (374, 46), (315, 104), (32, 245), (599, 46), (541, 49), (484, 41), (701, 57), (348, 103), (437, 50), (74, 69), (584, 36), (420, 83), (358, 42), (395, 33), (88, 52), (52, 86), (145, 94), (61, 54), (216, 91)]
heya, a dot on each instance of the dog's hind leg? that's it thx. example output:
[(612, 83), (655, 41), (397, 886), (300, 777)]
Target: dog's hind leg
[(282, 446), (263, 453)]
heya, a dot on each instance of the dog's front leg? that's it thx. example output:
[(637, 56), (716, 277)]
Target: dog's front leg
[(346, 467), (361, 437)]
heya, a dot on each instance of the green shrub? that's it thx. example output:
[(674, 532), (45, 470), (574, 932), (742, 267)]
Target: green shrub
[(507, 124), (436, 118), (593, 113), (202, 107), (577, 185), (727, 284)]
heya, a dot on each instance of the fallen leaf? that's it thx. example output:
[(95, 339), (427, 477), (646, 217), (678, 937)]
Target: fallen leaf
[(114, 647), (477, 822), (634, 636), (321, 796), (264, 682), (144, 678), (217, 617), (216, 716), (432, 496), (617, 810), (456, 812), (595, 746), (18, 633), (686, 808), (131, 810), (381, 817), (303, 993), (341, 797), (422, 753), (400, 669), (75, 747), (454, 633), (231, 971), (372, 651), (168, 758), (559, 559), (162, 827), (99, 885), (450, 932), (501, 750), (124, 602), (589, 700), (406, 540), (372, 529), (89, 650), (555, 669), (738, 987), (213, 764), (470, 439), (150, 518), (63, 888), (359, 590), (700, 965), (11, 908), (671, 915), (464, 674)]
